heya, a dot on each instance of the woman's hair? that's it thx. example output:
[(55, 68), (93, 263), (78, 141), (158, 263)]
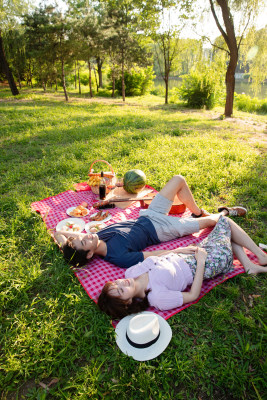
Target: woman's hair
[(77, 258), (117, 308)]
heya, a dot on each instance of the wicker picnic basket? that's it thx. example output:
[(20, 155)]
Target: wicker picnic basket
[(109, 176)]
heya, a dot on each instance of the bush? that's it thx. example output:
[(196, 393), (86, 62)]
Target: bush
[(137, 81), (158, 91), (200, 89), (246, 103)]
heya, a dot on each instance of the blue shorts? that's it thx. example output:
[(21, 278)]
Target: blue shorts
[(166, 226)]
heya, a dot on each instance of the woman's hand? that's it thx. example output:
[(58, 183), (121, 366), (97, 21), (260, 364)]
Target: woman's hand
[(201, 255), (185, 250)]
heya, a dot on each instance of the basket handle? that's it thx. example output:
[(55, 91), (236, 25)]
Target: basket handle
[(112, 170)]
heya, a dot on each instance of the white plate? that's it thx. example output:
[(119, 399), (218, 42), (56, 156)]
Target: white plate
[(76, 221), (69, 210), (103, 220), (93, 223)]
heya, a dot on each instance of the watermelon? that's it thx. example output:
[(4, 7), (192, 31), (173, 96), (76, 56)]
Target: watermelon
[(134, 181)]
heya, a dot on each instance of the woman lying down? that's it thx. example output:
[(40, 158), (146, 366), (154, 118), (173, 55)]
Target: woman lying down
[(160, 281)]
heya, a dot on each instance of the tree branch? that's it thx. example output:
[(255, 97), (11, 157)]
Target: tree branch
[(158, 59), (218, 23), (241, 38), (215, 45)]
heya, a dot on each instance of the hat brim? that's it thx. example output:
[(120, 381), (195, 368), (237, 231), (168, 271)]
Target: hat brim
[(147, 353)]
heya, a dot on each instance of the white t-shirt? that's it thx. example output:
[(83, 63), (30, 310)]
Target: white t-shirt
[(169, 275)]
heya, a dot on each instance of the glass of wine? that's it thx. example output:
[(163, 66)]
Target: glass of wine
[(119, 184)]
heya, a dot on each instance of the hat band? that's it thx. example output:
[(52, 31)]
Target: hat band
[(141, 346)]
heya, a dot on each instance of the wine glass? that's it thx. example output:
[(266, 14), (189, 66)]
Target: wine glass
[(119, 184)]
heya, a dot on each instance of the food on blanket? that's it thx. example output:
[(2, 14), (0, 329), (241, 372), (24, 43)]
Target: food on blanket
[(84, 204), (94, 180), (100, 216), (79, 211), (70, 227), (96, 227), (134, 181)]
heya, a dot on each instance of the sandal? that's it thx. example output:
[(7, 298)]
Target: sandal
[(204, 213), (234, 211)]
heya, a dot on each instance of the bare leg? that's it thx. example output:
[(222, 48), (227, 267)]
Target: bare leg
[(239, 236), (249, 266), (208, 222), (178, 186)]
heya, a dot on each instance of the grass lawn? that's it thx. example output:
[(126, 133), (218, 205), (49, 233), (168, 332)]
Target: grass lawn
[(50, 328)]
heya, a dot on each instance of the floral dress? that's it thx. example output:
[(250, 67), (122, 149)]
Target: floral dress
[(218, 246)]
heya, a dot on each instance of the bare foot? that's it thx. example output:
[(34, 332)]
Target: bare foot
[(252, 268), (263, 259)]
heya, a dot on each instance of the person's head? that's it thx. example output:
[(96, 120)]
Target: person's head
[(78, 250), (117, 299)]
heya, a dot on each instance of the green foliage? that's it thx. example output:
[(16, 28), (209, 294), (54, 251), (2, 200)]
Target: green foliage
[(248, 104), (137, 81), (200, 89), (158, 91)]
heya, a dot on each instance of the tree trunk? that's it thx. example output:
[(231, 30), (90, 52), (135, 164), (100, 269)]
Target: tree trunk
[(166, 80), (230, 39), (122, 77), (75, 78), (56, 84), (230, 86), (7, 70), (113, 84), (30, 74), (79, 80), (63, 80), (90, 79), (44, 86), (99, 70), (96, 80)]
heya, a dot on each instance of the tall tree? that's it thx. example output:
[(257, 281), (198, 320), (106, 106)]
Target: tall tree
[(123, 16), (223, 11), (10, 10), (48, 34), (166, 47), (15, 45)]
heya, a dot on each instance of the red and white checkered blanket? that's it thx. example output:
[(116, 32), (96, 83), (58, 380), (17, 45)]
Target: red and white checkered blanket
[(97, 272)]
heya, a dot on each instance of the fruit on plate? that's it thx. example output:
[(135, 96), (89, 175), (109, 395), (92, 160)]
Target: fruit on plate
[(79, 211), (94, 180), (134, 181), (70, 227)]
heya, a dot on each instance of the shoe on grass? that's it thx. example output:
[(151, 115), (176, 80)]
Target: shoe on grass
[(234, 211), (203, 213)]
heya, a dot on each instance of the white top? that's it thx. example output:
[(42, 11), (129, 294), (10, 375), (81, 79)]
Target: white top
[(168, 275)]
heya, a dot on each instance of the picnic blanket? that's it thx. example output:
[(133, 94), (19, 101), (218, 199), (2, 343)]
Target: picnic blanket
[(97, 272)]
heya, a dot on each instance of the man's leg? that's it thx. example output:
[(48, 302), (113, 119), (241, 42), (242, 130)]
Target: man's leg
[(178, 186)]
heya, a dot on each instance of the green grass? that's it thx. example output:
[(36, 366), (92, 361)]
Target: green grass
[(49, 326)]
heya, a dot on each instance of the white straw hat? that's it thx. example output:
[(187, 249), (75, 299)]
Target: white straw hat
[(143, 336)]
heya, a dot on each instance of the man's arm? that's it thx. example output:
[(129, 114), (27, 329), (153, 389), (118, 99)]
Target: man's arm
[(61, 237)]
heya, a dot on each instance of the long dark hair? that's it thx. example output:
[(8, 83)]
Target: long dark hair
[(77, 258), (117, 308)]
